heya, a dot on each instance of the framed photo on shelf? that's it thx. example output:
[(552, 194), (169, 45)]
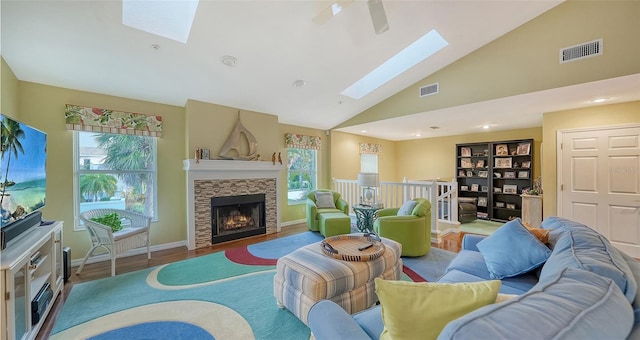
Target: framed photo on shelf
[(523, 174), (502, 150), (481, 153), (480, 163), (461, 173), (466, 163), (510, 189), (497, 189), (469, 173), (484, 188), (511, 206), (482, 201), (474, 187), (503, 163), (499, 204), (204, 153), (483, 173), (509, 174), (526, 164), (464, 188), (497, 175), (523, 149), (465, 151)]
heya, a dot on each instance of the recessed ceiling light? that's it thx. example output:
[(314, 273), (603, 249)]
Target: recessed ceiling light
[(299, 83), (155, 46), (229, 60), (486, 126), (600, 100), (418, 135), (434, 127), (410, 56), (363, 131)]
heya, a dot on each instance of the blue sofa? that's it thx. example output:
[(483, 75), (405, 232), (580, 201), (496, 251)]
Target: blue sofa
[(586, 289)]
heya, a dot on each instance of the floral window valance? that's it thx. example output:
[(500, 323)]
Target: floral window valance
[(370, 148), (93, 119), (292, 140)]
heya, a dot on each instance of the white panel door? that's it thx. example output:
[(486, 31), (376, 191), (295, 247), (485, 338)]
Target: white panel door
[(599, 179)]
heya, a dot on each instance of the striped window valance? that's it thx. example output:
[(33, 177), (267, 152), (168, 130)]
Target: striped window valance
[(293, 140), (93, 119), (372, 148)]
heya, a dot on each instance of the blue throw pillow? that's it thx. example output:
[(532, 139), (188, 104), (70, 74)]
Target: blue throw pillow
[(407, 208), (512, 250)]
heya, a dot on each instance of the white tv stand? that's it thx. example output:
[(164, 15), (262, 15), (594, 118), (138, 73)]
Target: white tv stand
[(21, 280)]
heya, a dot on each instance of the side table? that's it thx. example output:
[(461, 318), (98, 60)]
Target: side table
[(365, 217)]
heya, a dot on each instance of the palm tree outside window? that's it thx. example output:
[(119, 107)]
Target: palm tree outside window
[(115, 171)]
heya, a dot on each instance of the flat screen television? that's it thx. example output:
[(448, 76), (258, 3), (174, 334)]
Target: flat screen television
[(23, 175)]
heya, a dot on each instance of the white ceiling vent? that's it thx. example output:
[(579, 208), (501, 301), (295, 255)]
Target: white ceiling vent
[(429, 90), (577, 52)]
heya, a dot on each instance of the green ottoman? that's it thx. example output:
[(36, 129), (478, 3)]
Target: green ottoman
[(332, 224)]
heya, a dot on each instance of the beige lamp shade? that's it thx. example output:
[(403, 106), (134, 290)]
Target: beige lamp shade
[(368, 179)]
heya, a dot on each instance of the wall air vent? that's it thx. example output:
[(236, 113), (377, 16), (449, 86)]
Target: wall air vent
[(577, 52), (429, 90)]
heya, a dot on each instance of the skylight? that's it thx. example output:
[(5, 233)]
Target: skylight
[(169, 19), (413, 54)]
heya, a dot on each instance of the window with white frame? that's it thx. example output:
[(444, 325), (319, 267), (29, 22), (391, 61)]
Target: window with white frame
[(301, 174), (368, 162), (115, 171)]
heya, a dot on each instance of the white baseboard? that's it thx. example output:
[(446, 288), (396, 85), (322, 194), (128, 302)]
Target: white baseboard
[(106, 257), (289, 223), (436, 236)]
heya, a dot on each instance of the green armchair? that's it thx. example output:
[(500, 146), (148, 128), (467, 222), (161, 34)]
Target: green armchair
[(412, 231), (313, 211)]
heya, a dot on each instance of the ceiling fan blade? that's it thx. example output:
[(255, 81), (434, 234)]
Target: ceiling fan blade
[(378, 16), (331, 11)]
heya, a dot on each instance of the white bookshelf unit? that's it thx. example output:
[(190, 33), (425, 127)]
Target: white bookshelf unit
[(27, 265)]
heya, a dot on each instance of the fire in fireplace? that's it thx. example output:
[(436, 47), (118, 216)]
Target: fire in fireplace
[(234, 217)]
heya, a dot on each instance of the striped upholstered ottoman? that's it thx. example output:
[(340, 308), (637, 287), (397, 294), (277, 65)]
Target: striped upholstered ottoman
[(306, 276)]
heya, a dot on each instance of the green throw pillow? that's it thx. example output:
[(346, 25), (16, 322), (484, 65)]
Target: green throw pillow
[(110, 220), (421, 310)]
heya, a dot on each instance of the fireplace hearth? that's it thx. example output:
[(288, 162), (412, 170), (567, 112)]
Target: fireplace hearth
[(234, 217)]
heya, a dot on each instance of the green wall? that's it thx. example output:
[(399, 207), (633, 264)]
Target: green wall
[(521, 61), (526, 60), (8, 91), (432, 158), (345, 154), (197, 124), (297, 212), (43, 107)]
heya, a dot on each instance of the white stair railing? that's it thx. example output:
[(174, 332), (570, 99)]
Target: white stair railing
[(394, 194)]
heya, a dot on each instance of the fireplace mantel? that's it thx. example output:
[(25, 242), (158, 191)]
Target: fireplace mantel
[(219, 165), (214, 170)]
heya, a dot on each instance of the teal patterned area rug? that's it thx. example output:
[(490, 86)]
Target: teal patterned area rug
[(224, 295)]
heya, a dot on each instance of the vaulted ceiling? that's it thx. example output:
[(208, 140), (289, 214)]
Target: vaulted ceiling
[(84, 45)]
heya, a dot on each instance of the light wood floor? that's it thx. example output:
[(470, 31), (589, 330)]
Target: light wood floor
[(129, 264)]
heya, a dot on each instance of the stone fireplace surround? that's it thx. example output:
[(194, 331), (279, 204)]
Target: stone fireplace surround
[(217, 178)]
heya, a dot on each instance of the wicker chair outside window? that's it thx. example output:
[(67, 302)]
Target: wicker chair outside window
[(133, 235)]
